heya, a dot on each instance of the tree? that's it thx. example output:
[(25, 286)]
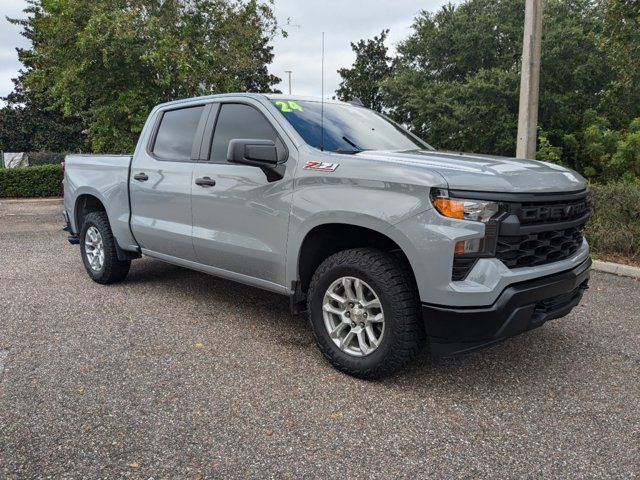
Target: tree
[(457, 74), (456, 84), (610, 154), (110, 62), (371, 68), (621, 40), (28, 123), (622, 24), (31, 126)]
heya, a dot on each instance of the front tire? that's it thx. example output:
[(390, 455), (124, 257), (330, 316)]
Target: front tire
[(98, 249), (364, 312)]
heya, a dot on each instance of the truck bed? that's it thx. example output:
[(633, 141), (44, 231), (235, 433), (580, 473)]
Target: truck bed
[(107, 178)]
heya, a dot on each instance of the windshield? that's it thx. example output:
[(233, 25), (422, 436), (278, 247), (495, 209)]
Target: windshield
[(347, 128)]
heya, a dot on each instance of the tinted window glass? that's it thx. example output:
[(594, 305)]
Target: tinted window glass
[(176, 132), (237, 121), (346, 127)]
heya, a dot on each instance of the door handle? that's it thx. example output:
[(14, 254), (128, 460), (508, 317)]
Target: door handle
[(205, 182), (141, 177)]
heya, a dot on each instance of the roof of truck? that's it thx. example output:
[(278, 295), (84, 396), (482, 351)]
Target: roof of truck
[(257, 96)]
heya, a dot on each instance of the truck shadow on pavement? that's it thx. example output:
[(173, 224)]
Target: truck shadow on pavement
[(533, 357)]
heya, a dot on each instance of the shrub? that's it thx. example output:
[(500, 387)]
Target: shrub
[(614, 227), (40, 181)]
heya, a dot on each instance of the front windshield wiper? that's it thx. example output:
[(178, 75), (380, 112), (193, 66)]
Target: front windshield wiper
[(356, 148), (346, 151), (352, 144)]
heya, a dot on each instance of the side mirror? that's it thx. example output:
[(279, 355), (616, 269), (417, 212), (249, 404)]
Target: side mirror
[(257, 153)]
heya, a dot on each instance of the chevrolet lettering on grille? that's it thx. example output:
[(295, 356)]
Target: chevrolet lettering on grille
[(553, 212)]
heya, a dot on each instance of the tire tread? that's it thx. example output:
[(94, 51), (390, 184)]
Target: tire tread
[(400, 289), (114, 270)]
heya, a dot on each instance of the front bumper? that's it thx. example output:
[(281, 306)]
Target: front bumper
[(520, 307)]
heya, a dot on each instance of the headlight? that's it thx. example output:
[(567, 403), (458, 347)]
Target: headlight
[(464, 209)]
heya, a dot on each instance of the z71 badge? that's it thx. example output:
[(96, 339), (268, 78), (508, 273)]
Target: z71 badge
[(321, 166)]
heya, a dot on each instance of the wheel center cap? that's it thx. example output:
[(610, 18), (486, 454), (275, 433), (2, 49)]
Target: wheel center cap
[(357, 314)]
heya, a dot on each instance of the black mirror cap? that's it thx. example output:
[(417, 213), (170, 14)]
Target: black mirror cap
[(257, 153), (252, 152)]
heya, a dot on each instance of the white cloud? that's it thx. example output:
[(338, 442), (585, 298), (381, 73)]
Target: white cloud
[(343, 21), (10, 39)]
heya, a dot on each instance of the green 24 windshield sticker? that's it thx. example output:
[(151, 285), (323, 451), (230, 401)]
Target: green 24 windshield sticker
[(290, 106)]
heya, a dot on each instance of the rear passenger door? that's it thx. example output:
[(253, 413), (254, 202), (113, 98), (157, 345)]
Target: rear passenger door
[(240, 224), (160, 184)]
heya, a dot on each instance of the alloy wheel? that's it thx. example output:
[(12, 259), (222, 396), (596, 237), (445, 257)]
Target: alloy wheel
[(353, 316)]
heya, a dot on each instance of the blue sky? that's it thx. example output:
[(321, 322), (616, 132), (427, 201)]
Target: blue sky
[(343, 21)]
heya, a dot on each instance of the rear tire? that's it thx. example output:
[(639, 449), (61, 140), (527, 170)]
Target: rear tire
[(366, 341), (98, 249)]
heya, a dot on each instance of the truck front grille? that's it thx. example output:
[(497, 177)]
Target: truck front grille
[(530, 229), (536, 213), (538, 248)]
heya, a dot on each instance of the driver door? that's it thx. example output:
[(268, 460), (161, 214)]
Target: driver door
[(240, 220)]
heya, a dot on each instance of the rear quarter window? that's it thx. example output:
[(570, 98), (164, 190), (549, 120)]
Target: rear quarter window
[(177, 129)]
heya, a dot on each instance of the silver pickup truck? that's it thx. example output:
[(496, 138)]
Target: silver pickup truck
[(386, 243)]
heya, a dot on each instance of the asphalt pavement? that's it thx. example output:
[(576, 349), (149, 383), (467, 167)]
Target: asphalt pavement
[(176, 374)]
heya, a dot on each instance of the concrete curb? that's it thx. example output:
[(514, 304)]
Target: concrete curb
[(616, 269), (51, 200)]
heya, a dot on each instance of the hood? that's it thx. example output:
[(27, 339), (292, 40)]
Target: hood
[(486, 172)]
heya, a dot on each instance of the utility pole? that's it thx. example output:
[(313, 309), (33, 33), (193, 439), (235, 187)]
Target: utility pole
[(289, 72), (530, 80)]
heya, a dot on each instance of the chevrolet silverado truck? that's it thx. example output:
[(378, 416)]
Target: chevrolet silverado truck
[(386, 243)]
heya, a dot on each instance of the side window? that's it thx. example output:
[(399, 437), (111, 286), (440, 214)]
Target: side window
[(176, 132), (239, 121)]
